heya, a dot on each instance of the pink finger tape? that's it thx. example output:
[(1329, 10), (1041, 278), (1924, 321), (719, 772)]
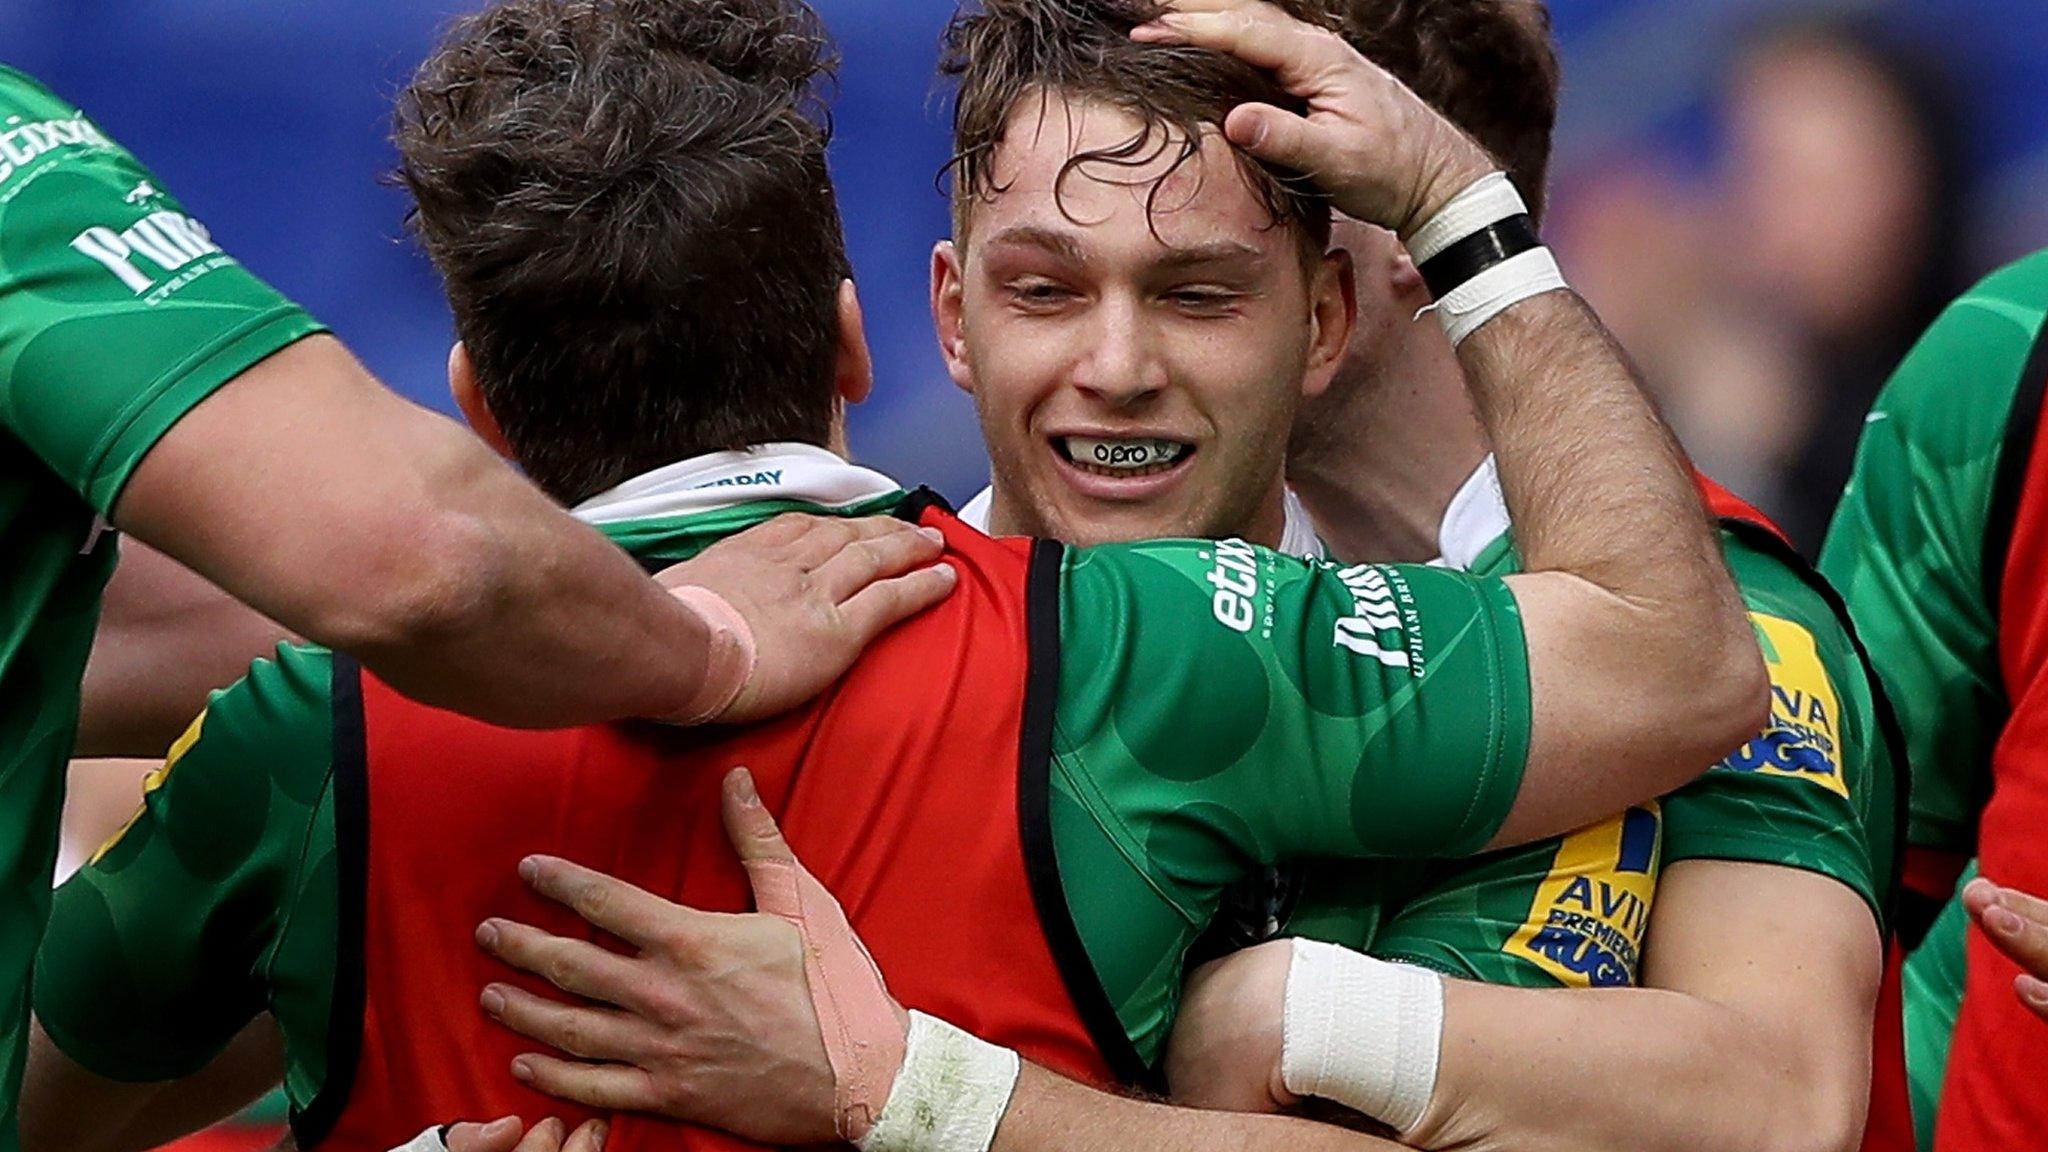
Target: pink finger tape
[(864, 1040)]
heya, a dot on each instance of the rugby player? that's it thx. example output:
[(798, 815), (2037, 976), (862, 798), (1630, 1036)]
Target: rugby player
[(1195, 783), (149, 382), (1793, 1048), (1937, 546)]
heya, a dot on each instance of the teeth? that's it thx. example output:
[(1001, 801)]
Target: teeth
[(1123, 456)]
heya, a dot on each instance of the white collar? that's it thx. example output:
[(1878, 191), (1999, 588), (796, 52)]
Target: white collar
[(1476, 516), (801, 472), (1297, 533)]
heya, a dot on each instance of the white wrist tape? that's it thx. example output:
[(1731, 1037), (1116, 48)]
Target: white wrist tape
[(428, 1141), (1489, 200), (1496, 290), (949, 1095), (1362, 1032)]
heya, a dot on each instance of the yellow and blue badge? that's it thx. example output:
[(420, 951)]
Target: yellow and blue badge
[(1804, 737), (1586, 925)]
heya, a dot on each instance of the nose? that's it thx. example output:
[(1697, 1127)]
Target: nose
[(1121, 362)]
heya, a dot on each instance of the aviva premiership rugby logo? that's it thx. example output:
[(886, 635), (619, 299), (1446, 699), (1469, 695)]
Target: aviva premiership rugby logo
[(1803, 740), (1586, 924)]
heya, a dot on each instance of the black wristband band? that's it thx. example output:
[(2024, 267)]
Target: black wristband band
[(1483, 249)]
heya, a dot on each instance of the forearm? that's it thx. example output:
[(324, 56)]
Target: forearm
[(1699, 1076), (541, 622), (1642, 657), (1601, 489), (406, 543), (1049, 1113)]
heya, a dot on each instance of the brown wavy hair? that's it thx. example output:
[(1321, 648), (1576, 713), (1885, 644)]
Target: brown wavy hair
[(1005, 52), (629, 203)]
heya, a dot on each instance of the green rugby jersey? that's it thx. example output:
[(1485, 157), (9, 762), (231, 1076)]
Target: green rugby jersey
[(1815, 792), (1907, 548), (1219, 706), (1907, 543), (117, 315)]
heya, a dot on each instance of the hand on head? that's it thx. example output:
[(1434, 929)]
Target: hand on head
[(1379, 152)]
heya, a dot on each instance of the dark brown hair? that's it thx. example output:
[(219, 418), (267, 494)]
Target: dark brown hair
[(1007, 51), (1487, 65), (629, 203)]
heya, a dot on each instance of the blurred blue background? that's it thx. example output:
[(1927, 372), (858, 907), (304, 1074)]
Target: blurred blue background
[(269, 118)]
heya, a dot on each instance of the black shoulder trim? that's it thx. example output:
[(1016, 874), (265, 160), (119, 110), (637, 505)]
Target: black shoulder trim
[(2010, 481), (352, 859), (1888, 729), (918, 501), (1034, 817)]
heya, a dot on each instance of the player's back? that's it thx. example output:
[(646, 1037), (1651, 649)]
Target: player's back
[(899, 788)]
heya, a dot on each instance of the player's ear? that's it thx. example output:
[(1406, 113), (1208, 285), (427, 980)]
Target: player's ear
[(948, 286), (469, 398), (853, 372), (1333, 311)]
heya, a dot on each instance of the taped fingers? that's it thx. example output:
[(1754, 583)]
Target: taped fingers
[(862, 1028)]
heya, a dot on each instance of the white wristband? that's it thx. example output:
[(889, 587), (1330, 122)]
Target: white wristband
[(1467, 308), (1362, 1032), (428, 1141), (949, 1095), (1489, 200)]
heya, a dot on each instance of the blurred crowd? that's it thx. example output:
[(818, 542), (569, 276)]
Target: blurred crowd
[(1767, 298)]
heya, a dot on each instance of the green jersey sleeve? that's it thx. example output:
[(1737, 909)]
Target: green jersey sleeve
[(118, 312), (1907, 543), (1360, 711), (1221, 706), (1816, 789), (160, 950)]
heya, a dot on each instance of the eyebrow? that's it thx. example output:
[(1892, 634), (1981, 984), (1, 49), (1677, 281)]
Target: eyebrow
[(1192, 256), (1034, 236), (1215, 252)]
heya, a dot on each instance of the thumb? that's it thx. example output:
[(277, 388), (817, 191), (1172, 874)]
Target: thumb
[(771, 865), (1275, 136), (499, 1135)]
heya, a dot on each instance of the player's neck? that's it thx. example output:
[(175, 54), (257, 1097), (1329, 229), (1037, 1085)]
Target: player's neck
[(1409, 440)]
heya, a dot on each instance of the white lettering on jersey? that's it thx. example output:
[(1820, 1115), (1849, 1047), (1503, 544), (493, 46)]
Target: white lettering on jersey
[(1236, 580), (1373, 612), (22, 144), (169, 240)]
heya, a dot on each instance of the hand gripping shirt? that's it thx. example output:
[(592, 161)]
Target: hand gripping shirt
[(118, 314), (1216, 707)]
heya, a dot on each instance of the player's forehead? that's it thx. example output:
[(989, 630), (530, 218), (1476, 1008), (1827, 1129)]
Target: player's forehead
[(1145, 207)]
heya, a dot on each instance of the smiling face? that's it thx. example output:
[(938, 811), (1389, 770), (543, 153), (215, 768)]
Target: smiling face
[(1136, 372)]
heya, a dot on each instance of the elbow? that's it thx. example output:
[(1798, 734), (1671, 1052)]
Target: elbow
[(1826, 1120), (434, 578), (1727, 696)]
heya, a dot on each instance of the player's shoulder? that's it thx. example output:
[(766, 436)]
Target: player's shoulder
[(276, 720), (21, 93), (1957, 383)]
